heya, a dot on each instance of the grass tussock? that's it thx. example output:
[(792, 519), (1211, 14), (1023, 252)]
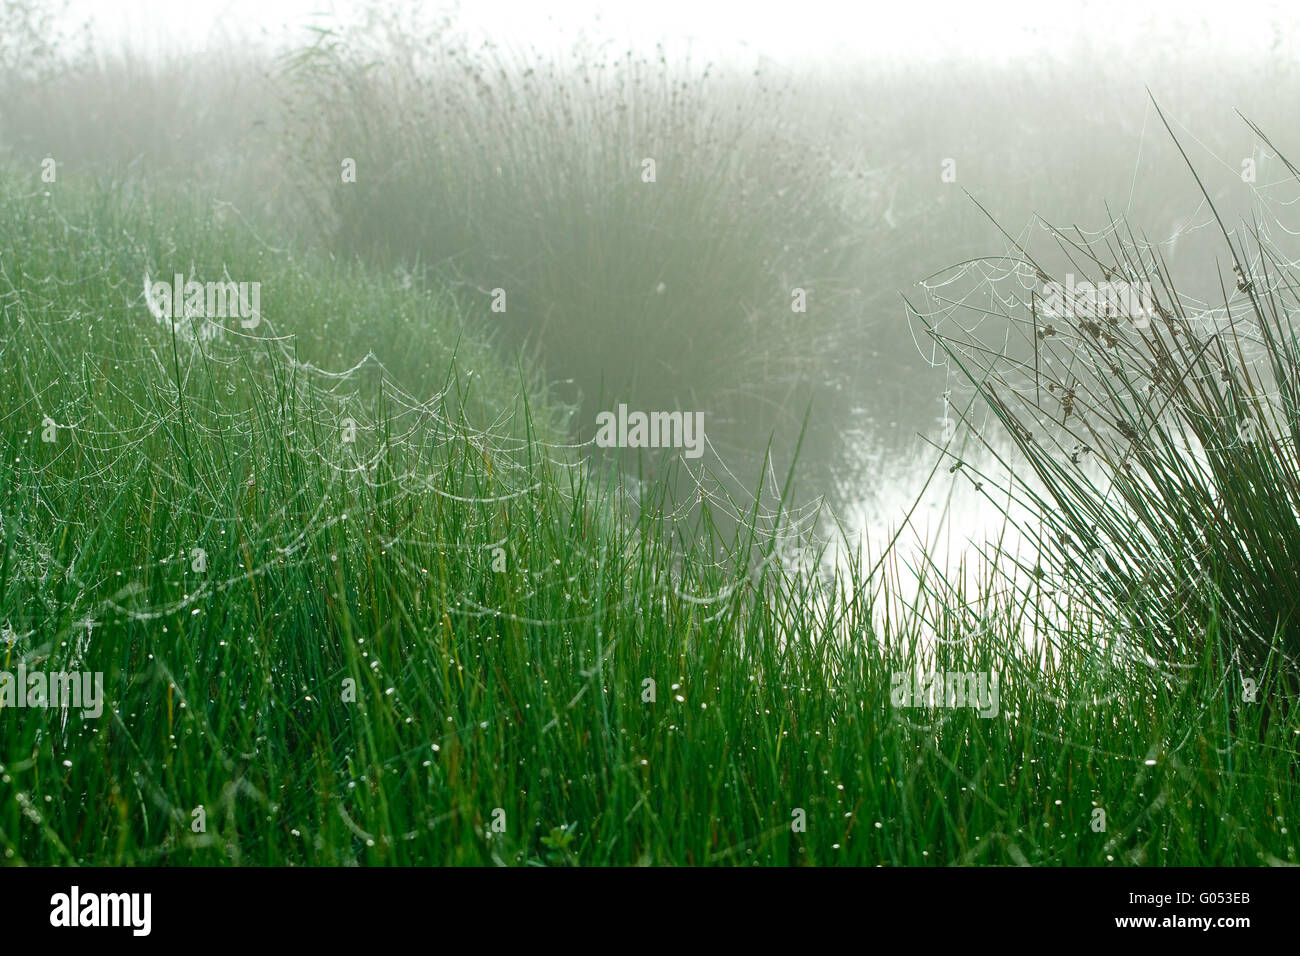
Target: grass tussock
[(1161, 444)]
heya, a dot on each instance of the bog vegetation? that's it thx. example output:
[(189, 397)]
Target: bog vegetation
[(364, 589)]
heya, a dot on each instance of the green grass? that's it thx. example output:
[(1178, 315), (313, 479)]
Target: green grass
[(1165, 452), (522, 689)]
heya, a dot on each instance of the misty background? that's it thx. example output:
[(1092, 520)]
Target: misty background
[(809, 147)]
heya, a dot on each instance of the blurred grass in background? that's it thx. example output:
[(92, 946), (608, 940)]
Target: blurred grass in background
[(480, 168)]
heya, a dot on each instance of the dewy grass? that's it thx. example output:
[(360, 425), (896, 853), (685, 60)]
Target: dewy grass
[(1164, 446), (372, 609)]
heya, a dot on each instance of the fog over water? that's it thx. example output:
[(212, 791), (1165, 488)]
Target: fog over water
[(832, 148)]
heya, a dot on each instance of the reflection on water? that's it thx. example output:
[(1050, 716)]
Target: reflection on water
[(948, 531), (943, 508)]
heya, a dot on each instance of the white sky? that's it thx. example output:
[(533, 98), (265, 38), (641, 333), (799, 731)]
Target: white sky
[(793, 31)]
